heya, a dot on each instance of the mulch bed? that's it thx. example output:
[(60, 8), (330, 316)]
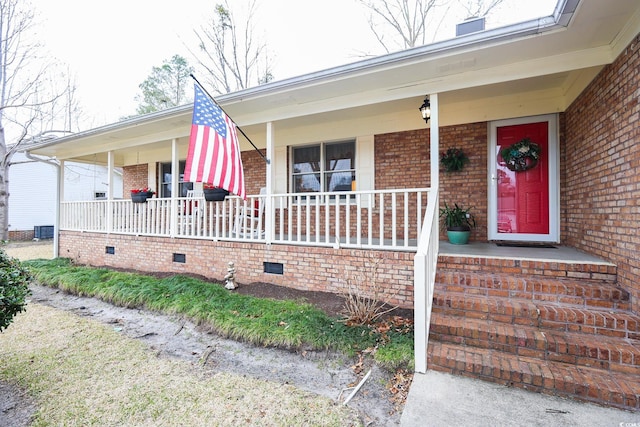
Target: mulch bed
[(332, 304)]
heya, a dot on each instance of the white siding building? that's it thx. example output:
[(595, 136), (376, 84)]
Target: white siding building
[(32, 191)]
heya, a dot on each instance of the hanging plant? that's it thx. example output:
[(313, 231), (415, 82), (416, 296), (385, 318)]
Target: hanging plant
[(521, 156), (453, 159)]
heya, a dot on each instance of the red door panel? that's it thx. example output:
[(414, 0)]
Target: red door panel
[(523, 197)]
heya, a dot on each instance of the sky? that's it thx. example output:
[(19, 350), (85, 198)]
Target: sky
[(112, 46)]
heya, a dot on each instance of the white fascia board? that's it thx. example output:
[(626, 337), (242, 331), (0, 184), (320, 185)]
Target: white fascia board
[(133, 122)]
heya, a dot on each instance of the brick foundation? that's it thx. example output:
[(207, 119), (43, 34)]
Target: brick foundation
[(305, 268)]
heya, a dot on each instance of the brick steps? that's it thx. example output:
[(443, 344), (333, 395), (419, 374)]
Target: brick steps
[(615, 389), (581, 293), (579, 349), (554, 327), (520, 311)]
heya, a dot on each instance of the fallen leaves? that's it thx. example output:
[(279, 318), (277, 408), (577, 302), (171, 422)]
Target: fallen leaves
[(399, 387)]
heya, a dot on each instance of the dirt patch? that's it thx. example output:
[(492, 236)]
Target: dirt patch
[(325, 373), (16, 407)]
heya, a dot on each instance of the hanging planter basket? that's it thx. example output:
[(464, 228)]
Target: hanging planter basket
[(215, 194), (141, 196), (521, 156), (453, 160)]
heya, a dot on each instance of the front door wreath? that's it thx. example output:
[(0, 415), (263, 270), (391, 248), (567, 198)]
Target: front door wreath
[(521, 156)]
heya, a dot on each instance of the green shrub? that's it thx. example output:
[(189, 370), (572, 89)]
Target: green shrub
[(14, 288)]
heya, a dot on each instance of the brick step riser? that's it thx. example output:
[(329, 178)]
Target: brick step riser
[(619, 360), (603, 300), (551, 378), (526, 313), (530, 268), (620, 398), (538, 269), (597, 295)]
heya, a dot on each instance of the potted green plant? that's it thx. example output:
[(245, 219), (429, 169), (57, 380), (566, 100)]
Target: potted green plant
[(140, 195), (458, 223), (453, 160), (213, 193)]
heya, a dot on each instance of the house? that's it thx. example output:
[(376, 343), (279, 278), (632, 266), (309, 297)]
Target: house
[(31, 179), (353, 178)]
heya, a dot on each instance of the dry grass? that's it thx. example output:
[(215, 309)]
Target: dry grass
[(83, 373), (29, 250)]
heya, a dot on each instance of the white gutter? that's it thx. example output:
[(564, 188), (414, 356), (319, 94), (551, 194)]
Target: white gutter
[(132, 122)]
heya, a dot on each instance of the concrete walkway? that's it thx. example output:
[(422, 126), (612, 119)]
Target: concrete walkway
[(439, 399)]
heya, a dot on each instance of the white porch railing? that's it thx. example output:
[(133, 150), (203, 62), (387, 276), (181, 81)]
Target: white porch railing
[(424, 277), (383, 219)]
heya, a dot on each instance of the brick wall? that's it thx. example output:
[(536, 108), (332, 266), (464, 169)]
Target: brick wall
[(15, 235), (306, 268), (255, 171), (602, 163), (135, 176), (402, 161)]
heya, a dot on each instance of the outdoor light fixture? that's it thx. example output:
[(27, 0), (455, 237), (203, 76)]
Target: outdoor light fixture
[(425, 109)]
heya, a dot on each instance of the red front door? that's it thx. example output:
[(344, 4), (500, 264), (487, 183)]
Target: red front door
[(523, 196)]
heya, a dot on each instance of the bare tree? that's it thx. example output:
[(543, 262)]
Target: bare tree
[(32, 94), (399, 24), (231, 56), (403, 24), (478, 8)]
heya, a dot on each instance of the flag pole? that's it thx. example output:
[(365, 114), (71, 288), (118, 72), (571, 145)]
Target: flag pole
[(237, 127)]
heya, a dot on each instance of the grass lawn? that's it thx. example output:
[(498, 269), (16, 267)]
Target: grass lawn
[(83, 373)]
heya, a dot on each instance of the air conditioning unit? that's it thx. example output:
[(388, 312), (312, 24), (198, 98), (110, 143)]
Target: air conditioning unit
[(43, 232)]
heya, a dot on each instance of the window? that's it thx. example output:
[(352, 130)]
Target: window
[(326, 167), (165, 180)]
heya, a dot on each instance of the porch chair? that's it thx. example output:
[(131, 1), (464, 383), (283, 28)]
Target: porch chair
[(249, 219), (191, 214)]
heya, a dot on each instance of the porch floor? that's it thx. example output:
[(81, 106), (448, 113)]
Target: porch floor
[(491, 250)]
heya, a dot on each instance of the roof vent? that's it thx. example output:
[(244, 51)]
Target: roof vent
[(470, 25)]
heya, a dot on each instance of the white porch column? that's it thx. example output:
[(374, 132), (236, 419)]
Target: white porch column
[(110, 166), (435, 142), (175, 183), (423, 285), (268, 216), (59, 197)]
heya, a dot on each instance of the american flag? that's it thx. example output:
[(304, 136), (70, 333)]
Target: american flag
[(214, 151)]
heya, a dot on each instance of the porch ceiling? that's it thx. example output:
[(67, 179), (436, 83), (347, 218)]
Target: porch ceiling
[(554, 61)]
